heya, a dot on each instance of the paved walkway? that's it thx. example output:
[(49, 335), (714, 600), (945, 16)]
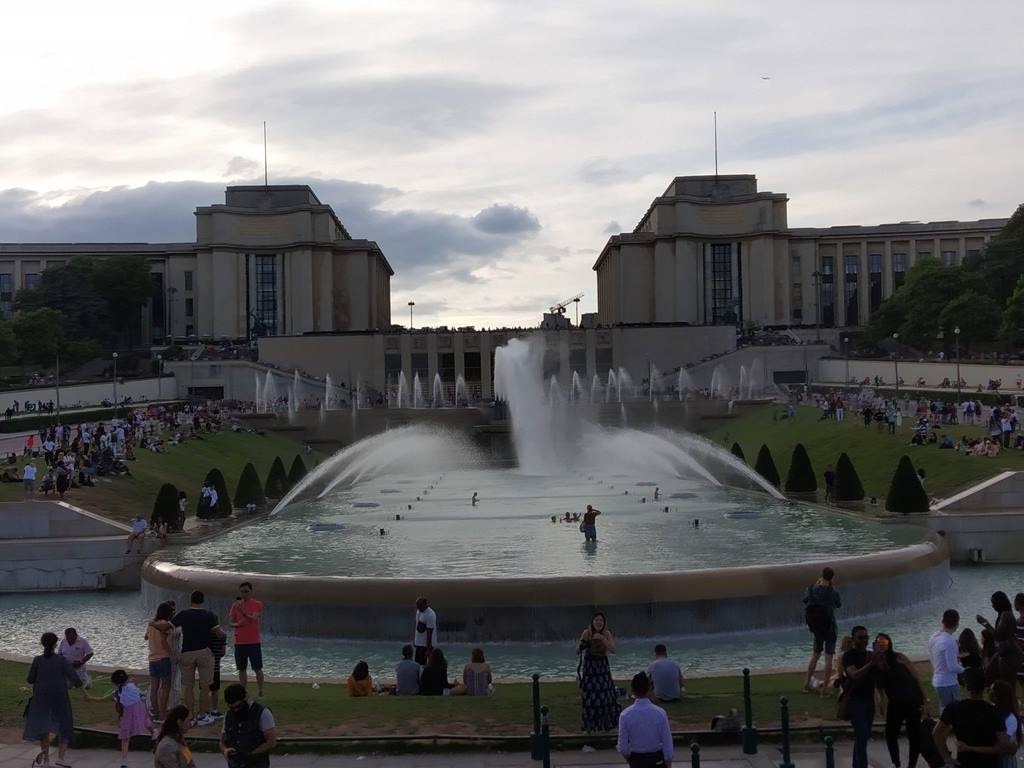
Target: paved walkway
[(803, 756)]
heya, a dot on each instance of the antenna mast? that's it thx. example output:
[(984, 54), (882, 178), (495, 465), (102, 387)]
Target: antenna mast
[(716, 142), (266, 183)]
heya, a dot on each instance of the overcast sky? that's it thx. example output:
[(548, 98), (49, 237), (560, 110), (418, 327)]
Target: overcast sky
[(491, 147)]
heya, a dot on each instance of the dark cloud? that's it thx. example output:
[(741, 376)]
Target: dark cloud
[(613, 228), (506, 220), (418, 243), (977, 203)]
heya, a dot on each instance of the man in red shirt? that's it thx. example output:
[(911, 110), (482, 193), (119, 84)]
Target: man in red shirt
[(245, 616)]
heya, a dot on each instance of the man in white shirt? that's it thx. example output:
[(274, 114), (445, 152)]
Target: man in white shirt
[(645, 739), (28, 478), (77, 651), (944, 654), (425, 631)]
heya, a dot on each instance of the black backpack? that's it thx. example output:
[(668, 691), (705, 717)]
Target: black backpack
[(818, 618)]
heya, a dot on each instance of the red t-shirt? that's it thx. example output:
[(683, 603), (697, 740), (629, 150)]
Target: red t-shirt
[(248, 631)]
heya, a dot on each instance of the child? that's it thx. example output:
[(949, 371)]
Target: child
[(133, 718)]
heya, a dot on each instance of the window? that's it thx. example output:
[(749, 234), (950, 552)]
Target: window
[(972, 253), (828, 310), (31, 280), (188, 279), (796, 301), (794, 266), (266, 296), (419, 367), (446, 367), (723, 306), (190, 307), (603, 360), (190, 330), (850, 266), (949, 258), (899, 269), (157, 306), (471, 366), (875, 272), (6, 295)]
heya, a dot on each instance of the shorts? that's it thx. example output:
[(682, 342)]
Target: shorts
[(160, 669), (248, 653), (826, 641), (590, 532), (215, 684)]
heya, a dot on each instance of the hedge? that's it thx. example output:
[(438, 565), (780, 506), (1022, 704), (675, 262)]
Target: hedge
[(800, 478), (277, 480), (250, 489), (848, 485), (165, 508), (297, 472), (906, 494), (216, 478), (765, 466), (737, 451)]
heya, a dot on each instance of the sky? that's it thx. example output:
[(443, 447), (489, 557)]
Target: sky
[(491, 147)]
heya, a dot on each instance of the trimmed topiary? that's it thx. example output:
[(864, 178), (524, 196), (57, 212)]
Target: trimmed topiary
[(848, 485), (906, 494), (800, 478), (216, 478), (737, 451), (277, 480), (297, 472), (165, 507), (765, 466), (250, 489)]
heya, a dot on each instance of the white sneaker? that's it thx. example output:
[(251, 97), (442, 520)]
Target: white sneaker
[(206, 719)]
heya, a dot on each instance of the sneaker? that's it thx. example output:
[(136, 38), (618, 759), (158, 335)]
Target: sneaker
[(205, 720), (215, 714)]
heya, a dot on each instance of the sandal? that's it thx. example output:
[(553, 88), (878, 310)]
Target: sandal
[(41, 759)]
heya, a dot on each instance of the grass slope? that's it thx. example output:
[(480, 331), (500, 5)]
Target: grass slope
[(874, 454)]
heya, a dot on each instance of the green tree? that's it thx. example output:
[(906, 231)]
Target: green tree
[(975, 314), (70, 289), (277, 480), (250, 489), (800, 478), (127, 285), (906, 494), (216, 478), (165, 507), (9, 352), (297, 472), (999, 266), (39, 334), (1011, 328), (765, 466), (848, 485), (737, 451)]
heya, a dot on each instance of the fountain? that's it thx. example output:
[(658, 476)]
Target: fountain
[(438, 393), (654, 384), (595, 390), (270, 393), (744, 387), (625, 381), (721, 384), (756, 382), (461, 399), (402, 394), (417, 391), (612, 386), (576, 390), (261, 407), (684, 383)]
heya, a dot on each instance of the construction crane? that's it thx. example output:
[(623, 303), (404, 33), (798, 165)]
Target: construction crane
[(560, 307)]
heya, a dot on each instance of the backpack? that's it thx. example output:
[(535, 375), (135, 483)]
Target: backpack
[(817, 618)]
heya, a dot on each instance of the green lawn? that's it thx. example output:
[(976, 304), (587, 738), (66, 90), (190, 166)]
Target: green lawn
[(185, 465), (301, 710), (874, 454)]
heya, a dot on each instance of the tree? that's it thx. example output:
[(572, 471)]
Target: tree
[(765, 466), (165, 507), (800, 478), (40, 334), (975, 314), (277, 480), (848, 485), (297, 472), (1011, 329), (9, 352), (906, 494), (216, 478), (127, 285), (250, 489), (999, 266), (737, 451)]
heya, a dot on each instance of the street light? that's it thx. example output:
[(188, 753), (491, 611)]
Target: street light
[(411, 305), (159, 376), (846, 348), (896, 361), (115, 379), (956, 338)]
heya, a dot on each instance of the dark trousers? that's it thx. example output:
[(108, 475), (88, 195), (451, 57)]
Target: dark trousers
[(647, 759), (861, 713), (898, 714)]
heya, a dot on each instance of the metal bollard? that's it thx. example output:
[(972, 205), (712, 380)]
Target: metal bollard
[(535, 749), (695, 755), (749, 734), (830, 753), (545, 738), (786, 761)]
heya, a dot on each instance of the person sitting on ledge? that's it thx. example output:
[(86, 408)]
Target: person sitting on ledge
[(359, 682)]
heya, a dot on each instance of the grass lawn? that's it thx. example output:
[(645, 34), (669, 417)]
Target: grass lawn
[(874, 454), (301, 710), (185, 465)]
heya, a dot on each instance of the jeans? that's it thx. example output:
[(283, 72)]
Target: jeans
[(947, 695), (861, 714), (898, 713)]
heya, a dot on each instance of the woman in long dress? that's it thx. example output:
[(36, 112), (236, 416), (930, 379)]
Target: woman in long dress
[(598, 698), (49, 709)]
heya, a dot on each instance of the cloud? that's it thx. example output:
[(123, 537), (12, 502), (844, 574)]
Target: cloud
[(506, 220), (613, 228), (241, 167), (602, 170), (977, 203)]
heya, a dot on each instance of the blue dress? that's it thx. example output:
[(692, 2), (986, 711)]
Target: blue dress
[(49, 710)]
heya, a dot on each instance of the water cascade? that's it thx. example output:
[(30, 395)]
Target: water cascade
[(260, 405), (684, 383), (756, 384), (595, 389), (402, 395), (576, 391), (438, 393), (461, 399), (612, 386), (270, 393), (654, 385), (744, 382), (417, 391), (625, 381)]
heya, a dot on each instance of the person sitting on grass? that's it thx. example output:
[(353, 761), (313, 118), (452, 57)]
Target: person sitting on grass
[(407, 674), (359, 682), (476, 676), (49, 483), (434, 679)]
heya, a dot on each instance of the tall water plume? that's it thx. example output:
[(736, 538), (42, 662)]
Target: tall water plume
[(438, 392), (461, 399), (595, 390), (576, 391), (261, 407), (402, 391), (417, 391), (684, 383)]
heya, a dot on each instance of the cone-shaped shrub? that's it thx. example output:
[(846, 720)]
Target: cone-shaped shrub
[(277, 480), (297, 472), (737, 451), (800, 478), (765, 466), (848, 486), (250, 489), (216, 479), (906, 494), (165, 507)]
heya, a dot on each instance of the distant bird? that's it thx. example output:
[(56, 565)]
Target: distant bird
[(765, 77)]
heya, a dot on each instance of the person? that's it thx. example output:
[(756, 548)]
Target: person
[(589, 524), (49, 708), (159, 663), (197, 624), (171, 749), (475, 499), (424, 630), (132, 716), (598, 697), (359, 682), (28, 478), (1006, 624), (944, 656), (139, 527), (245, 616), (969, 650), (476, 675), (859, 688), (1005, 702), (645, 739), (77, 651), (980, 731), (218, 649), (182, 509), (897, 678), (434, 678), (249, 734), (830, 484), (821, 601), (666, 676), (407, 674)]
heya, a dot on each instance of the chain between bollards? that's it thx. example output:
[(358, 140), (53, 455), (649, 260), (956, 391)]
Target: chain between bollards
[(695, 755), (545, 738), (784, 717), (749, 734), (535, 748), (830, 753)]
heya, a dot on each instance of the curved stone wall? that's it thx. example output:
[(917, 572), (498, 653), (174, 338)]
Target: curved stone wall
[(558, 608)]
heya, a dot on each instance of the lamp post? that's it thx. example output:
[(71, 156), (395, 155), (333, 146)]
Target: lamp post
[(956, 339), (159, 377), (411, 305), (896, 362), (846, 352), (115, 380)]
